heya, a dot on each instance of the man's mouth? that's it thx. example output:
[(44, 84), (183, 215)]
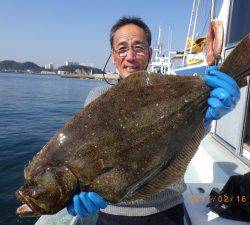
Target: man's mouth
[(131, 68)]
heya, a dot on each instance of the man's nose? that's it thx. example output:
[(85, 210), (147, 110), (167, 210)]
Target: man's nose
[(130, 54)]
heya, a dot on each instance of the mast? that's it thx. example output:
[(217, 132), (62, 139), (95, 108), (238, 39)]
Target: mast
[(212, 12), (192, 25), (158, 48), (195, 20), (170, 34)]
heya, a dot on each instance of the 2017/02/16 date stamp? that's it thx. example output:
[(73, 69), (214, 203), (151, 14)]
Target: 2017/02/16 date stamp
[(218, 198)]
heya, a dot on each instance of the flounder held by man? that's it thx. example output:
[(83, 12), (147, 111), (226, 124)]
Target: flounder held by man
[(129, 143)]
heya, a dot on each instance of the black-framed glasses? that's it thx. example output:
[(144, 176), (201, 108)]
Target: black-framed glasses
[(139, 49)]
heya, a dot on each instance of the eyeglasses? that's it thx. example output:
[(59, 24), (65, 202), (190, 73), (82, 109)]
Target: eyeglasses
[(138, 49)]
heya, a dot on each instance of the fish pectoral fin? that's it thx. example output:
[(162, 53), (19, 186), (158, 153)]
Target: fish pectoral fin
[(87, 172)]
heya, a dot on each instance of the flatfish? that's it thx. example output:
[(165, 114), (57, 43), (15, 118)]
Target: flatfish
[(129, 143)]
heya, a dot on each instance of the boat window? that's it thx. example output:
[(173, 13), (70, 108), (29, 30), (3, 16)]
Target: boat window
[(218, 5), (239, 25), (246, 140)]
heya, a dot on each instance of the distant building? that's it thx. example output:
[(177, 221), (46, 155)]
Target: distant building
[(70, 63), (55, 66), (49, 66), (87, 64), (47, 72), (61, 72)]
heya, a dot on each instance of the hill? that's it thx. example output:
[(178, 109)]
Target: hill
[(10, 65), (13, 66), (87, 69)]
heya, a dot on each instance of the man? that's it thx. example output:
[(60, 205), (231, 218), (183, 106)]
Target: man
[(130, 40)]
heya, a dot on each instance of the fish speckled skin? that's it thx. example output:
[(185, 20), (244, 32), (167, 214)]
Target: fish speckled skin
[(124, 140)]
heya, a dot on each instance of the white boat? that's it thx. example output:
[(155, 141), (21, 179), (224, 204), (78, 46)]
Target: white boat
[(226, 150), (160, 62), (222, 153), (166, 61)]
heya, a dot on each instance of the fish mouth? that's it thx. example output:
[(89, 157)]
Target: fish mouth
[(29, 208), (24, 211)]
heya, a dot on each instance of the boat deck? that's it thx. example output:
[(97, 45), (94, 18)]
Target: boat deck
[(211, 167)]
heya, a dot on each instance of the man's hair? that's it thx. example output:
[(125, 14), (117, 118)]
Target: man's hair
[(129, 20)]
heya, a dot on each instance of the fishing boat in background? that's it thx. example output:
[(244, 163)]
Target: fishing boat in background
[(225, 151), (160, 62), (165, 60)]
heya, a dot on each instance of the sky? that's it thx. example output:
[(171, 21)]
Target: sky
[(53, 31)]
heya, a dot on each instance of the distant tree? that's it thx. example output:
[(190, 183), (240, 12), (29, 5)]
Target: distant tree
[(73, 68), (13, 65)]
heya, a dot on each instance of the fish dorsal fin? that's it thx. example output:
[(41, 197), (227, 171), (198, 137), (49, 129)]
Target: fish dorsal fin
[(174, 172)]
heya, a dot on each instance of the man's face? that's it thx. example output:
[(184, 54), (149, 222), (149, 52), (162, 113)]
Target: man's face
[(131, 52)]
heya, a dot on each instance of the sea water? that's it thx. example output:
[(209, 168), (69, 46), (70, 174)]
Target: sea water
[(32, 109)]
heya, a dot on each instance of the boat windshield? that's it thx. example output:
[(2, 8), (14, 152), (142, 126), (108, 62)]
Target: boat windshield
[(239, 15)]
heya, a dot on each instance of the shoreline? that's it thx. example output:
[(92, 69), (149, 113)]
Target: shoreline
[(108, 76)]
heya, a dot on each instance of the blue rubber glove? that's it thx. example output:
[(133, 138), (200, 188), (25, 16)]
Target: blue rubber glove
[(224, 95), (86, 203)]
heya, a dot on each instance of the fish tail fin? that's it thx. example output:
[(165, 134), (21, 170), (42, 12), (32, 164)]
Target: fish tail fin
[(237, 64)]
